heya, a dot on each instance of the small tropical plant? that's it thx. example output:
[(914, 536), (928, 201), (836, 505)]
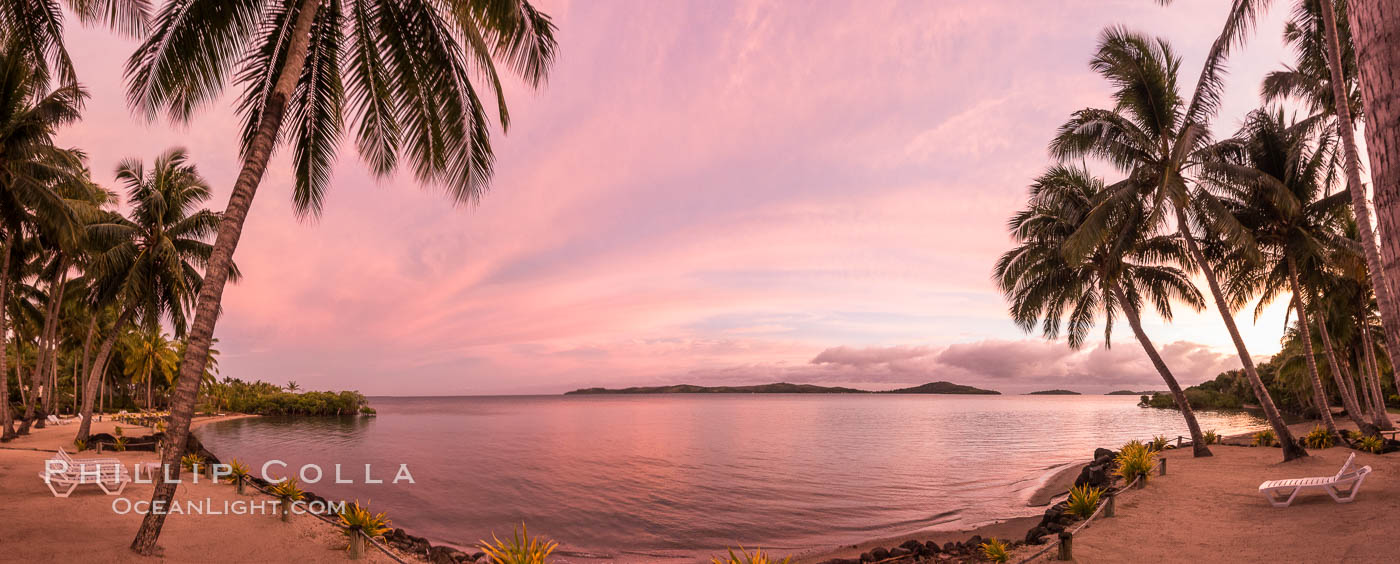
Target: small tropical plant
[(1353, 435), (117, 430), (1319, 438), (1211, 437), (238, 473), (519, 548), (995, 551), (287, 491), (192, 462), (1265, 438), (744, 557), (79, 445), (1371, 444), (1083, 500), (119, 445), (357, 519), (1158, 444), (1135, 460)]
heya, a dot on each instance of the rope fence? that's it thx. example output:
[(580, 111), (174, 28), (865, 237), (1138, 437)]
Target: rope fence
[(1065, 541)]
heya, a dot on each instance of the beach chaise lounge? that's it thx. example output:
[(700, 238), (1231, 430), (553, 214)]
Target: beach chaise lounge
[(1342, 486), (68, 472)]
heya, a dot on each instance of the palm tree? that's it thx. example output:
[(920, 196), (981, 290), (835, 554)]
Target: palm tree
[(292, 386), (149, 354), (1158, 138), (1341, 65), (1124, 269), (1376, 32), (149, 263), (1271, 178), (37, 26), (30, 166), (407, 68)]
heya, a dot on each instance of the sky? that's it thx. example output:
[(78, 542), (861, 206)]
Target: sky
[(712, 193)]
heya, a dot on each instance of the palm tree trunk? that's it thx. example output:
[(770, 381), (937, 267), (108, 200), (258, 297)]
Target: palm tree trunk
[(98, 369), (1341, 375), (1369, 352), (42, 402), (7, 430), (1375, 30), (1367, 396), (216, 272), (1198, 442), (1390, 315), (1319, 394), (1291, 449)]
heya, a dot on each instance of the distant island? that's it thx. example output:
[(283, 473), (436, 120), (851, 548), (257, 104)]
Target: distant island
[(783, 388), (1129, 393), (1055, 393)]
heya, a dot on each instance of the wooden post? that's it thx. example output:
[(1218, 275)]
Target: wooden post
[(1178, 441), (1141, 482), (1162, 471), (357, 545), (1066, 545), (1108, 505)]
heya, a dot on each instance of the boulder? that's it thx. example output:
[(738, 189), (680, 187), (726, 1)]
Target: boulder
[(949, 547), (975, 542), (880, 553), (932, 547), (446, 555), (842, 561), (1100, 453), (1034, 535), (912, 545), (867, 557)]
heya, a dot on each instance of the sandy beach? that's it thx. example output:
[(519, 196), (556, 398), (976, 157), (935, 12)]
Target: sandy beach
[(85, 527), (1210, 510)]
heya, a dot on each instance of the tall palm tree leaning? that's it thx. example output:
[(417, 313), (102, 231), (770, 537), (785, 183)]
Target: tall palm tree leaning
[(1375, 29), (30, 165), (148, 264), (1124, 269), (410, 70), (1390, 310), (1157, 138), (1271, 178)]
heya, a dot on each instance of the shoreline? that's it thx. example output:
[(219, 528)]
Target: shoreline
[(1054, 482)]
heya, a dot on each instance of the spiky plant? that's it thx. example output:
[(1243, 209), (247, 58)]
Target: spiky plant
[(1265, 438), (1371, 443), (119, 444), (1134, 461), (745, 557), (238, 473), (359, 523), (519, 548), (1159, 443), (1319, 438), (287, 491), (1211, 437), (1083, 500), (995, 551)]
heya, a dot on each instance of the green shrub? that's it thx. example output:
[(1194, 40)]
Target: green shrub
[(1372, 444), (1210, 437), (1319, 438), (79, 445), (744, 557), (356, 518), (119, 445), (117, 430), (1265, 438), (367, 410), (995, 551), (192, 462), (519, 548), (1159, 443), (287, 490), (1083, 500), (1135, 460)]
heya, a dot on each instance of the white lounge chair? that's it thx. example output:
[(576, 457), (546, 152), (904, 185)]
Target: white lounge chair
[(68, 472), (1342, 487)]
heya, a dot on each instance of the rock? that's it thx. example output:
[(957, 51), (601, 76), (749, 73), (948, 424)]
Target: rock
[(1034, 535), (446, 555), (932, 547), (950, 547), (478, 555), (1054, 527), (1103, 452), (867, 557), (912, 546), (483, 559), (880, 553), (842, 561), (975, 541), (899, 551)]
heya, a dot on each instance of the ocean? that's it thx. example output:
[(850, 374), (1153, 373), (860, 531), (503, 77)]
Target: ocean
[(683, 476)]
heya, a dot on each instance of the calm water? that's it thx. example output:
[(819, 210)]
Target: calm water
[(681, 475)]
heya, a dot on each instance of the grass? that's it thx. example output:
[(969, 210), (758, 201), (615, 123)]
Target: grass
[(1135, 460), (1319, 437), (745, 557), (1083, 500), (995, 551), (519, 548), (1265, 438)]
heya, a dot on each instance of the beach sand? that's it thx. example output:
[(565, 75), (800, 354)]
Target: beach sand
[(1210, 510), (1055, 484), (85, 527)]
